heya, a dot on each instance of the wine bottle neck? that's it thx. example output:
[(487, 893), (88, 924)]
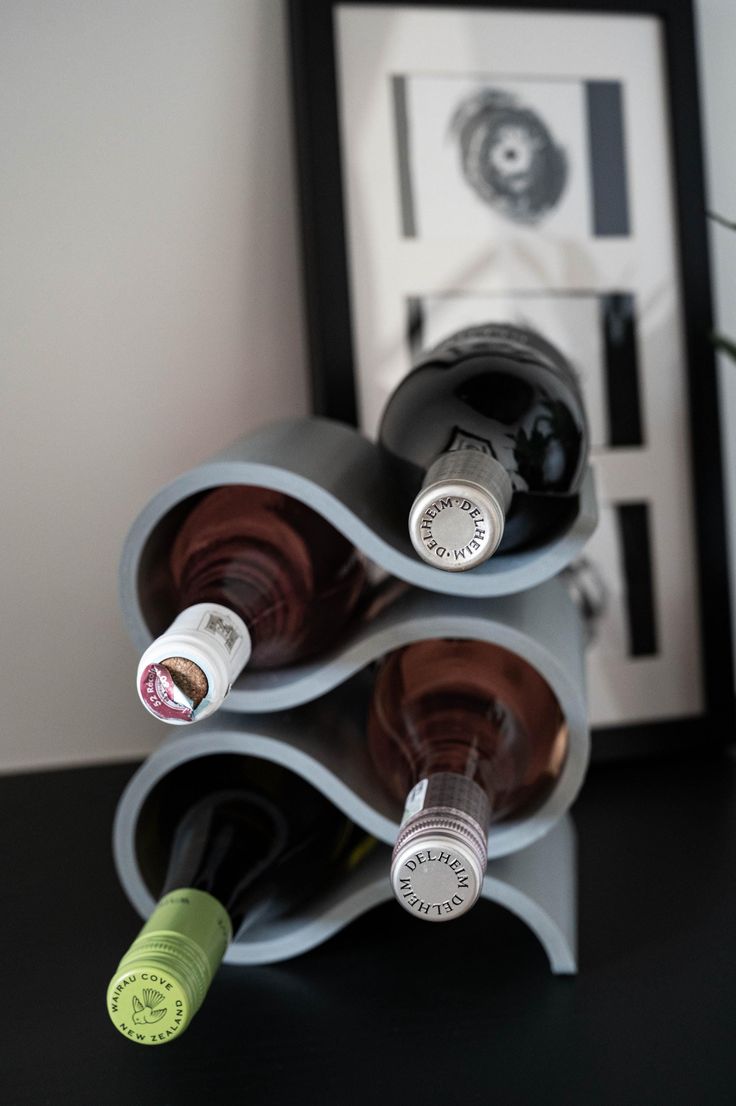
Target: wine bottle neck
[(440, 856), (164, 976), (457, 520), (225, 844), (186, 673)]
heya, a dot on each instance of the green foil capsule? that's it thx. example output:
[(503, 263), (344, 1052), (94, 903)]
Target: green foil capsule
[(164, 976)]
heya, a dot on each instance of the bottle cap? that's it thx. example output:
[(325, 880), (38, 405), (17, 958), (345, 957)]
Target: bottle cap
[(441, 853), (164, 976), (186, 673), (457, 519)]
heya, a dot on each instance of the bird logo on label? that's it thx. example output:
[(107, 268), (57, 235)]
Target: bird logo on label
[(150, 1010)]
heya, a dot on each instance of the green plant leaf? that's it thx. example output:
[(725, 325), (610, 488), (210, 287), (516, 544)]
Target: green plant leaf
[(725, 345), (728, 223)]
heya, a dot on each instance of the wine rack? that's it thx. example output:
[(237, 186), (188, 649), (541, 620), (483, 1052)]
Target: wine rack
[(310, 717), (531, 873), (540, 624), (339, 473)]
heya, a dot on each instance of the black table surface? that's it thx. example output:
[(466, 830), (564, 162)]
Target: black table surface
[(392, 1010)]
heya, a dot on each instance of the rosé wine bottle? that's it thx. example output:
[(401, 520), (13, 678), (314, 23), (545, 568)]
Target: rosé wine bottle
[(464, 733), (258, 578)]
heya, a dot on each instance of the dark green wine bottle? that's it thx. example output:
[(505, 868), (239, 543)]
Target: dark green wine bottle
[(238, 855)]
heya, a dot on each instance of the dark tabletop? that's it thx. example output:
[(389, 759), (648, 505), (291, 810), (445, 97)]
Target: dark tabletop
[(393, 1010)]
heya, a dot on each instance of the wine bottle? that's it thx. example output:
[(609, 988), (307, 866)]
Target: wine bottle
[(488, 434), (258, 578), (237, 856), (465, 733)]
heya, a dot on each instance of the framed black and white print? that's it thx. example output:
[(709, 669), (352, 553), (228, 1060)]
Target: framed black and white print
[(539, 163), (479, 156)]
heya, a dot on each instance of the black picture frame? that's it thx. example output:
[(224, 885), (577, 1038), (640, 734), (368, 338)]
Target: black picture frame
[(330, 338)]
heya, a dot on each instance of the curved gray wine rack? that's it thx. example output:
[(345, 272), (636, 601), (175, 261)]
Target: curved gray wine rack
[(511, 601), (535, 882), (324, 741), (541, 625), (532, 623), (341, 474)]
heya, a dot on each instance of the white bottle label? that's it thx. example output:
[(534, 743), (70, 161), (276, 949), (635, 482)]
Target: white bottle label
[(415, 800), (223, 627)]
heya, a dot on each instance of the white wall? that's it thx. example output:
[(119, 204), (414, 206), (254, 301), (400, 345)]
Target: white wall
[(150, 314), (151, 310)]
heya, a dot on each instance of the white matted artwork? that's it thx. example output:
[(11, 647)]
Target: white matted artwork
[(479, 155), (494, 172)]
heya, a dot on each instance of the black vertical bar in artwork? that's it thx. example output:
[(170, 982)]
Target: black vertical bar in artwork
[(621, 367), (401, 119), (607, 153), (636, 554), (415, 326)]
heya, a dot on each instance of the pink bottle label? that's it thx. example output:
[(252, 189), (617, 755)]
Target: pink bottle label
[(161, 695)]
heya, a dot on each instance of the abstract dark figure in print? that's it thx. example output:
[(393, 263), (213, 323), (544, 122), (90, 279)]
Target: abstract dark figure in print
[(508, 156)]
